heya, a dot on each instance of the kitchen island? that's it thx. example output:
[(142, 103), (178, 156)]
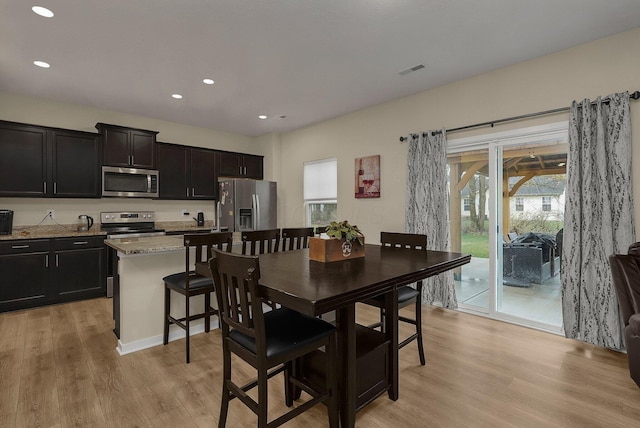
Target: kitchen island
[(138, 290)]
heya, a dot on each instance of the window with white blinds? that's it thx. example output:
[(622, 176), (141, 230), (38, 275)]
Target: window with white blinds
[(321, 191)]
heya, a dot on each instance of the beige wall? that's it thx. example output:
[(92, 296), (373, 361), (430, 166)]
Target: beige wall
[(28, 211), (595, 69), (587, 71)]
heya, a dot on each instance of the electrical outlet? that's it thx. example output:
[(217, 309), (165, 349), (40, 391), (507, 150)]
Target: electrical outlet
[(51, 214)]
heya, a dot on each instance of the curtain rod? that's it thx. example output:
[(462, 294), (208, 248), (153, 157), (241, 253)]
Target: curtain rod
[(635, 96)]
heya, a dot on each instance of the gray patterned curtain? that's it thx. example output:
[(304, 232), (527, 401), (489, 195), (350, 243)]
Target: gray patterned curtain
[(598, 218), (427, 209)]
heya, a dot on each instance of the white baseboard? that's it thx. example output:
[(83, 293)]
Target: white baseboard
[(149, 342)]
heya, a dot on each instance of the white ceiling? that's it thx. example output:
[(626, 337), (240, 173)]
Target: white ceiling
[(308, 60)]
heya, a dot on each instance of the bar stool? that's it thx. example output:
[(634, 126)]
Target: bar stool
[(296, 238), (270, 342), (189, 283), (406, 295)]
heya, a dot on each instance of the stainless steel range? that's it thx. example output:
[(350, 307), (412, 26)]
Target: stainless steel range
[(129, 224)]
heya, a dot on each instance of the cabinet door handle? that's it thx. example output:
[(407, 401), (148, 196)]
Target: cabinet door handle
[(57, 261), (46, 261), (80, 243), (17, 247), (55, 188), (45, 187), (193, 191), (240, 170), (245, 170)]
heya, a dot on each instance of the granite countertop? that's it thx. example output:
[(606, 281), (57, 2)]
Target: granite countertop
[(147, 245), (51, 231), (184, 226), (70, 230)]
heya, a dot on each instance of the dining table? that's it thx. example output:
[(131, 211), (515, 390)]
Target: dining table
[(316, 288)]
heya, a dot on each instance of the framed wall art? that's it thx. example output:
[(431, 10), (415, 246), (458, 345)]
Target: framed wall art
[(367, 177)]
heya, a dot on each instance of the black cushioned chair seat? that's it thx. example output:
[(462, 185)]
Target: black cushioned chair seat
[(286, 330), (405, 294), (196, 281)]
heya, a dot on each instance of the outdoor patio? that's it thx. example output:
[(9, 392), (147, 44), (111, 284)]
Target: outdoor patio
[(538, 302)]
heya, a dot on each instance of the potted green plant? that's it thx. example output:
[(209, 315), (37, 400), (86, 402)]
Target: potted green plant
[(343, 230), (345, 241)]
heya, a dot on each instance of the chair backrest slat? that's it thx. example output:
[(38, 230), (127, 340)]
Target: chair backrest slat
[(237, 290), (203, 244), (403, 240), (296, 238), (260, 241)]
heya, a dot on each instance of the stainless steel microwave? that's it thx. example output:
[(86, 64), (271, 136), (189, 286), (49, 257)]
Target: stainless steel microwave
[(129, 182)]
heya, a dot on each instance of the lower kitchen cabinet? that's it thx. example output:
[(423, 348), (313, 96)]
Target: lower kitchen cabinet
[(45, 271), (24, 274), (79, 268)]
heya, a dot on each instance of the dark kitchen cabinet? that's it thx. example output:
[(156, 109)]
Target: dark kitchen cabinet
[(242, 165), (45, 271), (127, 147), (173, 180), (39, 161), (79, 268), (204, 180), (186, 172), (24, 160), (76, 164), (24, 274)]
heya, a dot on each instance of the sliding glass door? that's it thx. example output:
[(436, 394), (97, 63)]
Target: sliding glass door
[(469, 181), (506, 210)]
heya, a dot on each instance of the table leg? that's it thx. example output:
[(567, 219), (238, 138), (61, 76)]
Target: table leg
[(346, 323), (391, 330)]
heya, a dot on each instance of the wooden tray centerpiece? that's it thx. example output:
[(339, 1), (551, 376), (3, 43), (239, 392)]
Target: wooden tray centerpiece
[(344, 242)]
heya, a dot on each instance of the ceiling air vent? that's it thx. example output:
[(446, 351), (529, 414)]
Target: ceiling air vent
[(409, 70)]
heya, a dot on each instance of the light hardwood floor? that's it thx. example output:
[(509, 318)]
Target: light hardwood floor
[(59, 368)]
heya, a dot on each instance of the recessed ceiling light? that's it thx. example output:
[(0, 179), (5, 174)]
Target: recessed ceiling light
[(262, 116), (208, 81), (42, 64), (42, 11), (177, 96)]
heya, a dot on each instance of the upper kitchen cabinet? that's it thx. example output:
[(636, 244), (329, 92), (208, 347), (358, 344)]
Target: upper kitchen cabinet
[(23, 164), (128, 147), (204, 179), (76, 164), (240, 165), (38, 161), (186, 172)]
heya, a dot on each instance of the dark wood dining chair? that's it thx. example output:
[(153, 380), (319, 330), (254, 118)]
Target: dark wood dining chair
[(407, 294), (260, 241), (270, 342), (189, 283), (296, 238)]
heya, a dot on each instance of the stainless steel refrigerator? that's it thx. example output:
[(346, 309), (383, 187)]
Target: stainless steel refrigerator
[(245, 204)]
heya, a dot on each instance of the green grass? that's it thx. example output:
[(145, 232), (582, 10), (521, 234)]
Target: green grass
[(476, 244)]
